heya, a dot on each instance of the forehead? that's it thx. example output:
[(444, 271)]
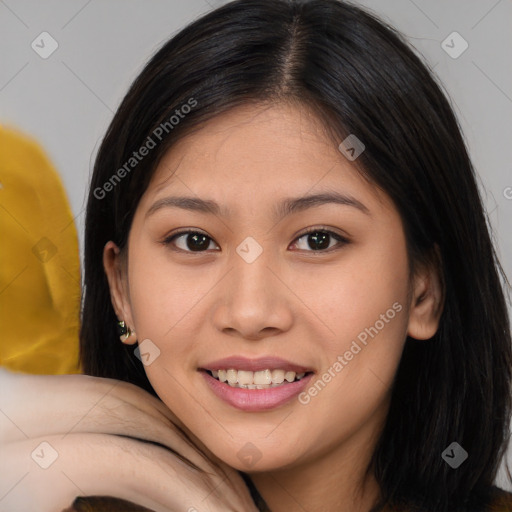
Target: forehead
[(258, 150)]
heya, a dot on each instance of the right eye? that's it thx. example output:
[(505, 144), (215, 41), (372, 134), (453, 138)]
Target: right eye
[(191, 241)]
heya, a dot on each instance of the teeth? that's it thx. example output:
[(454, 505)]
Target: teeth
[(289, 376), (264, 377), (245, 377), (255, 380), (232, 376), (277, 376)]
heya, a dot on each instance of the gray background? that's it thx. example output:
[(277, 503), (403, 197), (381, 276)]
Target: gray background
[(67, 100)]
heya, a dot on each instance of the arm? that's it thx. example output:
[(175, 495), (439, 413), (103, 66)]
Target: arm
[(68, 435)]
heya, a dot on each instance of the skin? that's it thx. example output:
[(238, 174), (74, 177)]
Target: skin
[(293, 301)]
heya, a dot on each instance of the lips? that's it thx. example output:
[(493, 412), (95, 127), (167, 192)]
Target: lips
[(256, 400), (255, 365)]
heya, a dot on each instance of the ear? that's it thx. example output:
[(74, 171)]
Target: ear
[(427, 299), (115, 269)]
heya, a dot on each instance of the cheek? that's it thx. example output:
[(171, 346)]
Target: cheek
[(164, 301), (362, 292), (169, 306), (365, 307), (160, 292)]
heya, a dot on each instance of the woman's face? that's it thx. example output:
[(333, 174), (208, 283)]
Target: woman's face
[(336, 304)]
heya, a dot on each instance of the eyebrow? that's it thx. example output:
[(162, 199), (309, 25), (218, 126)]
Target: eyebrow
[(284, 208)]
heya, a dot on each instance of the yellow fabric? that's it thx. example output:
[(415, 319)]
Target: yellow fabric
[(39, 263)]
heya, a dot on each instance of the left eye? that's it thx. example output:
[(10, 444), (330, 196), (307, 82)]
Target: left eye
[(319, 240)]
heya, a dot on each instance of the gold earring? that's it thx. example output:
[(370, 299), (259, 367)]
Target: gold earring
[(124, 331)]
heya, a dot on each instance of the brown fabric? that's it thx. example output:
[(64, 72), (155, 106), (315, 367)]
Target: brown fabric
[(104, 504), (502, 502)]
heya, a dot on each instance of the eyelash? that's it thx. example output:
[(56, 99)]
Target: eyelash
[(317, 229)]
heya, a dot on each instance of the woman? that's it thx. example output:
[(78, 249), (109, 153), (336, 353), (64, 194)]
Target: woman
[(247, 107), (285, 244)]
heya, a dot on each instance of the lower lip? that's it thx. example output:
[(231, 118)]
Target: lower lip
[(256, 399)]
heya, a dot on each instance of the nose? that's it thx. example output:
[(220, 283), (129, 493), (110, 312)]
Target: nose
[(253, 302)]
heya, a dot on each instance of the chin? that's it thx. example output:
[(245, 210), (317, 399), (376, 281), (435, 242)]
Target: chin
[(250, 460)]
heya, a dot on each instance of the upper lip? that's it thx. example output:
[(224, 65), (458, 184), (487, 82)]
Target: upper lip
[(255, 365)]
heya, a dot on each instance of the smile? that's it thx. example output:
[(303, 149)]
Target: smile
[(256, 397)]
